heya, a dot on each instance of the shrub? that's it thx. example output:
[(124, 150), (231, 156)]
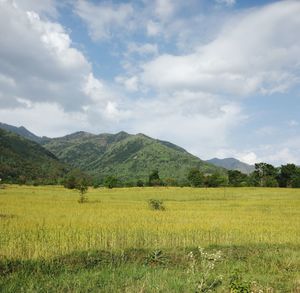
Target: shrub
[(156, 204), (111, 182), (140, 183), (82, 187)]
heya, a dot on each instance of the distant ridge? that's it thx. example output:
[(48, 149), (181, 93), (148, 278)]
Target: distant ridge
[(232, 164), (22, 131), (124, 155)]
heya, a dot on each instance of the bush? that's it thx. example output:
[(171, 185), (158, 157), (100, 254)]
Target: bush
[(111, 182), (156, 204), (140, 183), (82, 187)]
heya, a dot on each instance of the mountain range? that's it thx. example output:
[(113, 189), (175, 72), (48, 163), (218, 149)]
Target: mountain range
[(124, 155), (232, 164)]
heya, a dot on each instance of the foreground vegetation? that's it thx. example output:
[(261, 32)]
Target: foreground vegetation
[(116, 243)]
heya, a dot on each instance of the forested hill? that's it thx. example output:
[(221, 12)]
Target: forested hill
[(22, 160), (125, 156)]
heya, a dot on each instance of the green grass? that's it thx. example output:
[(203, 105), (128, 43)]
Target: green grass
[(49, 242)]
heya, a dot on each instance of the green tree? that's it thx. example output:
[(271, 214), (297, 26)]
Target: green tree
[(286, 175), (216, 180), (154, 179), (237, 178), (82, 187), (266, 175), (195, 178), (72, 179), (140, 183), (295, 181), (111, 182)]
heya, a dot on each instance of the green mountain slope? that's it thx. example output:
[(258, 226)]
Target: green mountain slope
[(126, 156), (232, 164), (24, 160)]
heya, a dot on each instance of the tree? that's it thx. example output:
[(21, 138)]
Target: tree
[(140, 183), (295, 181), (237, 178), (154, 179), (266, 175), (170, 182), (216, 180), (72, 179), (195, 178), (111, 182), (82, 187), (286, 175)]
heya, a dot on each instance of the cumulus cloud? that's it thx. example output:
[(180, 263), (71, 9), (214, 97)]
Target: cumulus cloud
[(164, 9), (131, 84), (47, 7), (103, 19), (191, 96), (256, 52), (39, 64), (153, 28), (142, 49), (199, 122), (45, 119)]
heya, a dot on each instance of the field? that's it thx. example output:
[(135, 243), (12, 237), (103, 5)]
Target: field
[(116, 243)]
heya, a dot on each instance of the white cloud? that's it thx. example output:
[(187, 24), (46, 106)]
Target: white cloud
[(226, 2), (249, 158), (190, 98), (266, 131), (103, 19), (164, 9), (142, 49), (131, 84), (153, 28), (39, 64), (198, 122), (256, 52), (48, 7), (37, 117)]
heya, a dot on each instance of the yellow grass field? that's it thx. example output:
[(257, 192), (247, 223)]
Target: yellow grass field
[(42, 222)]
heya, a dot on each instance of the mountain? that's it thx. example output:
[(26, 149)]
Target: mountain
[(24, 160), (127, 156), (22, 131), (232, 164)]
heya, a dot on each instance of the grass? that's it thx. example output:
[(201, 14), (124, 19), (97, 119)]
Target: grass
[(49, 242)]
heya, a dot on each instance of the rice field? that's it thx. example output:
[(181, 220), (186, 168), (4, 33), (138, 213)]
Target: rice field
[(46, 222)]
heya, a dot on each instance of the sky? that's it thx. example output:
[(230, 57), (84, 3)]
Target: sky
[(220, 78)]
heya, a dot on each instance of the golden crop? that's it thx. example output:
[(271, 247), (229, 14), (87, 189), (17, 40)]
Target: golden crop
[(42, 222)]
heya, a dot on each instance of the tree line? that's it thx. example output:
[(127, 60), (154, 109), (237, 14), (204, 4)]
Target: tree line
[(264, 175)]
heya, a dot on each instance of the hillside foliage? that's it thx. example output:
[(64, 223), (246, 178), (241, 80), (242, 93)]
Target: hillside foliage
[(23, 161)]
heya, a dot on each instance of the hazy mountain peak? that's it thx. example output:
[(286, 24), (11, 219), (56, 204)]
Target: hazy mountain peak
[(232, 164)]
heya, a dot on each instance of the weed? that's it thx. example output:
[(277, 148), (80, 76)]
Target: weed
[(201, 269)]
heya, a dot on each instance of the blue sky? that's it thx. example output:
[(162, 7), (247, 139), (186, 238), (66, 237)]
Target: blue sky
[(217, 77)]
